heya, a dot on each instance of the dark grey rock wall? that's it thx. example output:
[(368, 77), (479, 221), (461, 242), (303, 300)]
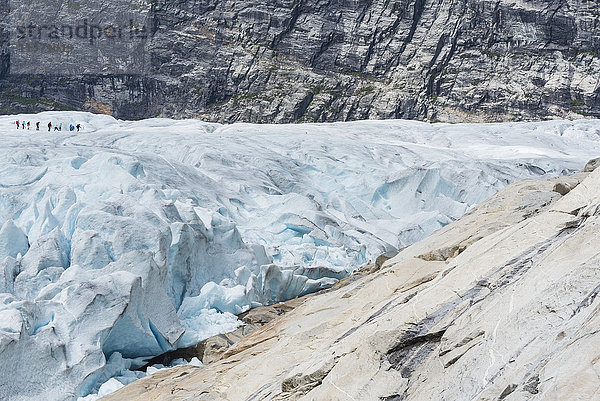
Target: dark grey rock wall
[(332, 60)]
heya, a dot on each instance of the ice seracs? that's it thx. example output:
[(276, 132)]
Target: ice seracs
[(132, 238), (500, 305)]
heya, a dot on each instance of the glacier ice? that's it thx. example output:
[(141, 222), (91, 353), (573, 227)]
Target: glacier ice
[(132, 238), (13, 241)]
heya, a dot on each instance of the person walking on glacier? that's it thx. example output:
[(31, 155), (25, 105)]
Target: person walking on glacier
[(23, 124), (28, 124), (37, 126), (78, 127), (49, 126), (18, 124)]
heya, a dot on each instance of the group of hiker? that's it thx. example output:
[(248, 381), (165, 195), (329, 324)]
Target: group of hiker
[(23, 124)]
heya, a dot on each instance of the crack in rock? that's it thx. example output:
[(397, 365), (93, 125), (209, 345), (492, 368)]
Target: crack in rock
[(408, 354)]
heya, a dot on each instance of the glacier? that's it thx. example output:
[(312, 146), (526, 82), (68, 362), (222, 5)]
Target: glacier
[(130, 239)]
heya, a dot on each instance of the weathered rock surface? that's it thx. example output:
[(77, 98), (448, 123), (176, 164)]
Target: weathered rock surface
[(312, 60), (592, 165), (513, 316)]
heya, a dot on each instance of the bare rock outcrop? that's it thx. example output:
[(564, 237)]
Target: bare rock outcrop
[(307, 60), (591, 165), (508, 313)]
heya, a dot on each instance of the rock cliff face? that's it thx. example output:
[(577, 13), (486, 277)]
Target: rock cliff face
[(315, 60), (501, 305)]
